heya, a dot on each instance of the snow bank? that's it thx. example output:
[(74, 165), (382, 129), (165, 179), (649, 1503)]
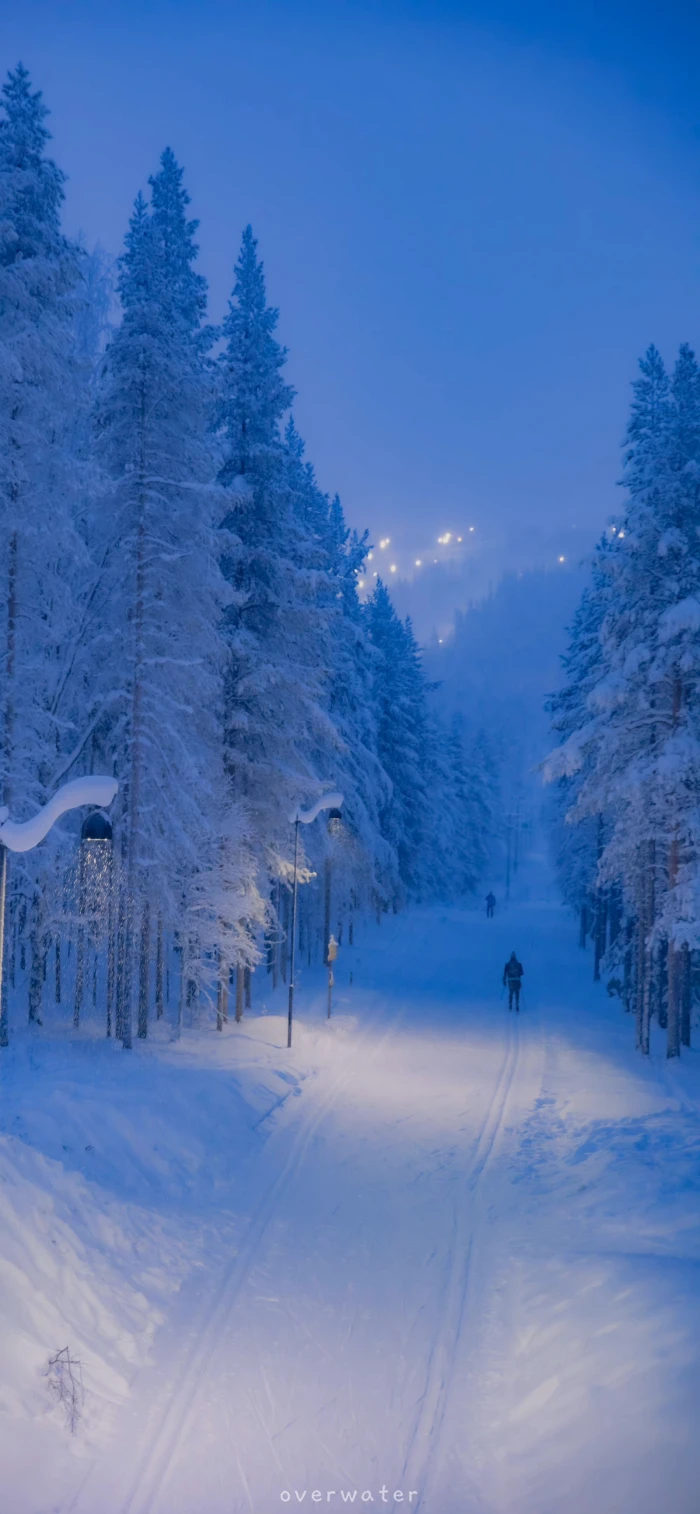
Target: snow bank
[(111, 1193)]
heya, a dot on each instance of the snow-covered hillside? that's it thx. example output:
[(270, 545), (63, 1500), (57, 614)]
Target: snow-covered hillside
[(436, 1249)]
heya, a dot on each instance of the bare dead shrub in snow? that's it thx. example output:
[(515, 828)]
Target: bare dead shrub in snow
[(66, 1383)]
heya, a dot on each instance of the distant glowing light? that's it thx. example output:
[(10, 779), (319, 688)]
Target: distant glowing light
[(440, 640), (620, 533), (435, 559), (418, 562), (459, 538), (361, 584), (562, 559), (471, 528), (443, 540), (370, 555), (385, 542), (393, 568)]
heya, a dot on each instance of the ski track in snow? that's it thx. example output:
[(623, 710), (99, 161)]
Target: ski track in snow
[(163, 1438), (425, 1441)]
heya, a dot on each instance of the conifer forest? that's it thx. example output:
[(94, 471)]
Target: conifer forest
[(349, 757)]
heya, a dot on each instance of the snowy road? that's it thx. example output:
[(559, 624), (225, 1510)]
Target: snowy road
[(466, 1255)]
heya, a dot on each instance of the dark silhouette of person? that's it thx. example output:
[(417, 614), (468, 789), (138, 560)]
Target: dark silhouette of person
[(490, 905), (512, 978)]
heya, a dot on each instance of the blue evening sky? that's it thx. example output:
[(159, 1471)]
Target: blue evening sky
[(474, 217)]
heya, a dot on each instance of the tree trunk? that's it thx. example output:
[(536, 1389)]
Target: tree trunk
[(661, 984), (13, 940), (144, 973), (276, 942), (284, 944), (326, 910), (10, 657), (648, 977), (79, 978), (686, 996), (183, 986), (673, 1037), (222, 995), (239, 994), (4, 1025), (614, 913), (647, 1000), (109, 989), (673, 1034), (159, 969), (628, 983), (37, 947), (248, 988), (57, 964), (123, 1026), (642, 955), (601, 920)]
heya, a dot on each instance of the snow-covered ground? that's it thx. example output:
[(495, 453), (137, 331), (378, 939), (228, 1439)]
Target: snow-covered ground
[(437, 1250)]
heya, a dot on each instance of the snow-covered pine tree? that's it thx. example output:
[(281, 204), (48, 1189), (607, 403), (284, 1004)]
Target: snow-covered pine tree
[(578, 847), (166, 591), (277, 636), (638, 746), (403, 740), (363, 864), (41, 483), (472, 798)]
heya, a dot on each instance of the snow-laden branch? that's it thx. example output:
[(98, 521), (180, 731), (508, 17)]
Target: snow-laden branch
[(328, 802), (22, 836)]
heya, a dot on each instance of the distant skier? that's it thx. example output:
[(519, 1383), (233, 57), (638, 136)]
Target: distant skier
[(490, 905), (512, 978)]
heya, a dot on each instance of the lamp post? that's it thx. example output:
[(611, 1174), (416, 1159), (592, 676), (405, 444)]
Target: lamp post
[(24, 835), (303, 817), (94, 879)]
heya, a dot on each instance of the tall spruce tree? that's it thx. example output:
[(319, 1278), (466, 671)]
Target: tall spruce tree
[(636, 743), (40, 487), (275, 627), (362, 861), (402, 738), (166, 591)]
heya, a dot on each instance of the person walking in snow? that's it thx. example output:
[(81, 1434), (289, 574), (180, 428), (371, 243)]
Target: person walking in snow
[(490, 905), (512, 978)]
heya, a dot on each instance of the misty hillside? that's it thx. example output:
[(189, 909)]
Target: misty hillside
[(505, 659)]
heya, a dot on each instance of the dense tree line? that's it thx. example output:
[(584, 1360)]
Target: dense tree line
[(179, 606), (627, 769)]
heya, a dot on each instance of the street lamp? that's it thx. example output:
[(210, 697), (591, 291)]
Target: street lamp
[(24, 835), (299, 817), (94, 890)]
